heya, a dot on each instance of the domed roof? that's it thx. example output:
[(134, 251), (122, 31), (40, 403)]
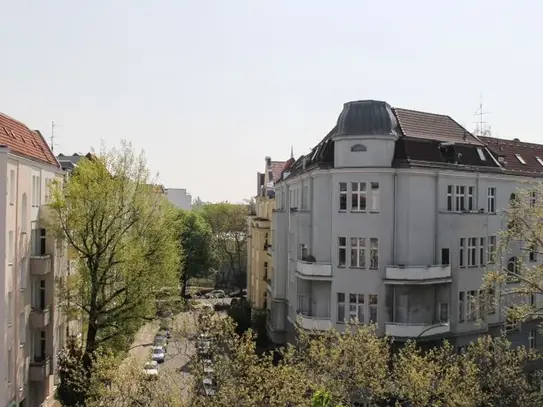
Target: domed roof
[(367, 117)]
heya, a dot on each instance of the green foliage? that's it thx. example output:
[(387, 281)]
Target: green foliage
[(126, 238), (196, 241), (228, 224)]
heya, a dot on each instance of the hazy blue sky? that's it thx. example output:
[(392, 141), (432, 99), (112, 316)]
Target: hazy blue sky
[(209, 88)]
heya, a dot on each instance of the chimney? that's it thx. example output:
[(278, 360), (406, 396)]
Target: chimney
[(268, 162)]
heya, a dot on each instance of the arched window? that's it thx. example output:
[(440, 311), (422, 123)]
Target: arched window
[(24, 215), (358, 147)]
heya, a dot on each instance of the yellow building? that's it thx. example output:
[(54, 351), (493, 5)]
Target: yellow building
[(259, 261)]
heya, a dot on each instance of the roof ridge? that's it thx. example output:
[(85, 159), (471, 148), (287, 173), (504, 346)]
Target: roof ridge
[(510, 140), (7, 116), (422, 111)]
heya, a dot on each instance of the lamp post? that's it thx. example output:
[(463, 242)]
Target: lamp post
[(442, 324)]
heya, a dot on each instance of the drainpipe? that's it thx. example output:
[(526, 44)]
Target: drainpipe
[(436, 219), (394, 226)]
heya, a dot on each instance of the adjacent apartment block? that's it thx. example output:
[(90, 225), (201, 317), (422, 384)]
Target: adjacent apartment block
[(180, 198), (259, 248), (31, 327), (392, 218)]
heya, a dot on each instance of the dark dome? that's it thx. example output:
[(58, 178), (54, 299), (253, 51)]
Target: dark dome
[(367, 117)]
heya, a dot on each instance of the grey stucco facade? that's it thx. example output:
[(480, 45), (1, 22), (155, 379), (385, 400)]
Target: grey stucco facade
[(408, 254)]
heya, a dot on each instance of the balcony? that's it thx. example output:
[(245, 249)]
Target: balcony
[(39, 369), (307, 269), (412, 274), (40, 265), (311, 323), (39, 318), (415, 331)]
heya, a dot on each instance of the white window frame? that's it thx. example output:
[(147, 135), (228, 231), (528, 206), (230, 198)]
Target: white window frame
[(359, 194), (533, 198), (342, 248), (341, 301), (373, 302), (472, 251), (460, 198), (358, 249), (11, 247), (305, 197), (343, 194), (520, 159), (491, 249), (472, 305), (491, 200), (358, 306), (482, 256), (471, 198), (374, 253), (531, 339), (491, 293), (481, 154), (375, 196), (461, 306), (12, 187), (462, 252), (539, 160), (450, 198)]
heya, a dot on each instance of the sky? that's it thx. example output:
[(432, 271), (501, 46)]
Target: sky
[(208, 88)]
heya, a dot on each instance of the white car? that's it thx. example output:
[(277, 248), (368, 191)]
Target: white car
[(208, 366), (208, 387), (150, 370), (158, 354), (216, 294)]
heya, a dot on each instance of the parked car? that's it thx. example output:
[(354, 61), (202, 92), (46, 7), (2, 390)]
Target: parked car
[(208, 367), (158, 354), (150, 370), (166, 333), (203, 347), (208, 389), (216, 294), (160, 340)]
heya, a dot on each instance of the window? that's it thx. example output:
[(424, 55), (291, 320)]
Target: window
[(374, 253), (265, 270), (443, 312), (24, 214), (531, 339), (47, 189), (450, 197), (491, 249), (533, 253), (519, 157), (472, 305), (22, 273), (472, 252), (460, 198), (375, 197), (461, 252), (356, 308), (41, 303), (304, 251), (342, 251), (471, 198), (278, 199), (533, 198), (341, 307), (461, 306), (12, 187), (539, 160), (373, 308), (342, 196), (482, 251), (445, 257), (482, 302), (358, 196), (11, 248), (10, 308), (10, 365), (38, 242), (481, 154), (358, 255), (491, 200), (305, 197), (491, 306), (22, 328), (513, 266)]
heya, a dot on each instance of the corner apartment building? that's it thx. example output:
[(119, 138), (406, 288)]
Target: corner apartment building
[(31, 326), (392, 218), (180, 198), (259, 248)]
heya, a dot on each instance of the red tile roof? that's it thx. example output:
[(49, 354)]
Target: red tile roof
[(433, 126), (25, 142), (277, 168), (508, 150)]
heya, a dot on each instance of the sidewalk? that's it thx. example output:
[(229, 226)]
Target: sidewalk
[(145, 335)]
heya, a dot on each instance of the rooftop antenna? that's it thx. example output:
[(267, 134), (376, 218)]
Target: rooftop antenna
[(481, 128), (292, 151)]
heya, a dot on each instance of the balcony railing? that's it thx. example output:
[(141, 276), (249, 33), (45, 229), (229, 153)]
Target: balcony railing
[(40, 265), (39, 369), (314, 322), (308, 269), (416, 330), (40, 318), (418, 273)]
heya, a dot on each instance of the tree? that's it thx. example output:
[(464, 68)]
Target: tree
[(195, 236), (125, 235), (517, 275), (228, 224)]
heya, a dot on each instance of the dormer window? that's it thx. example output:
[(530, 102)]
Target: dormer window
[(539, 160), (521, 160), (358, 148), (449, 153), (481, 154)]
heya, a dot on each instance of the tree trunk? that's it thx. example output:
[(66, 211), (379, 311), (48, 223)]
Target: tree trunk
[(184, 283), (90, 346)]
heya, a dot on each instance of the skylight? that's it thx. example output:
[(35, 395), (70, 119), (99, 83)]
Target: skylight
[(539, 160), (481, 154), (520, 159)]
